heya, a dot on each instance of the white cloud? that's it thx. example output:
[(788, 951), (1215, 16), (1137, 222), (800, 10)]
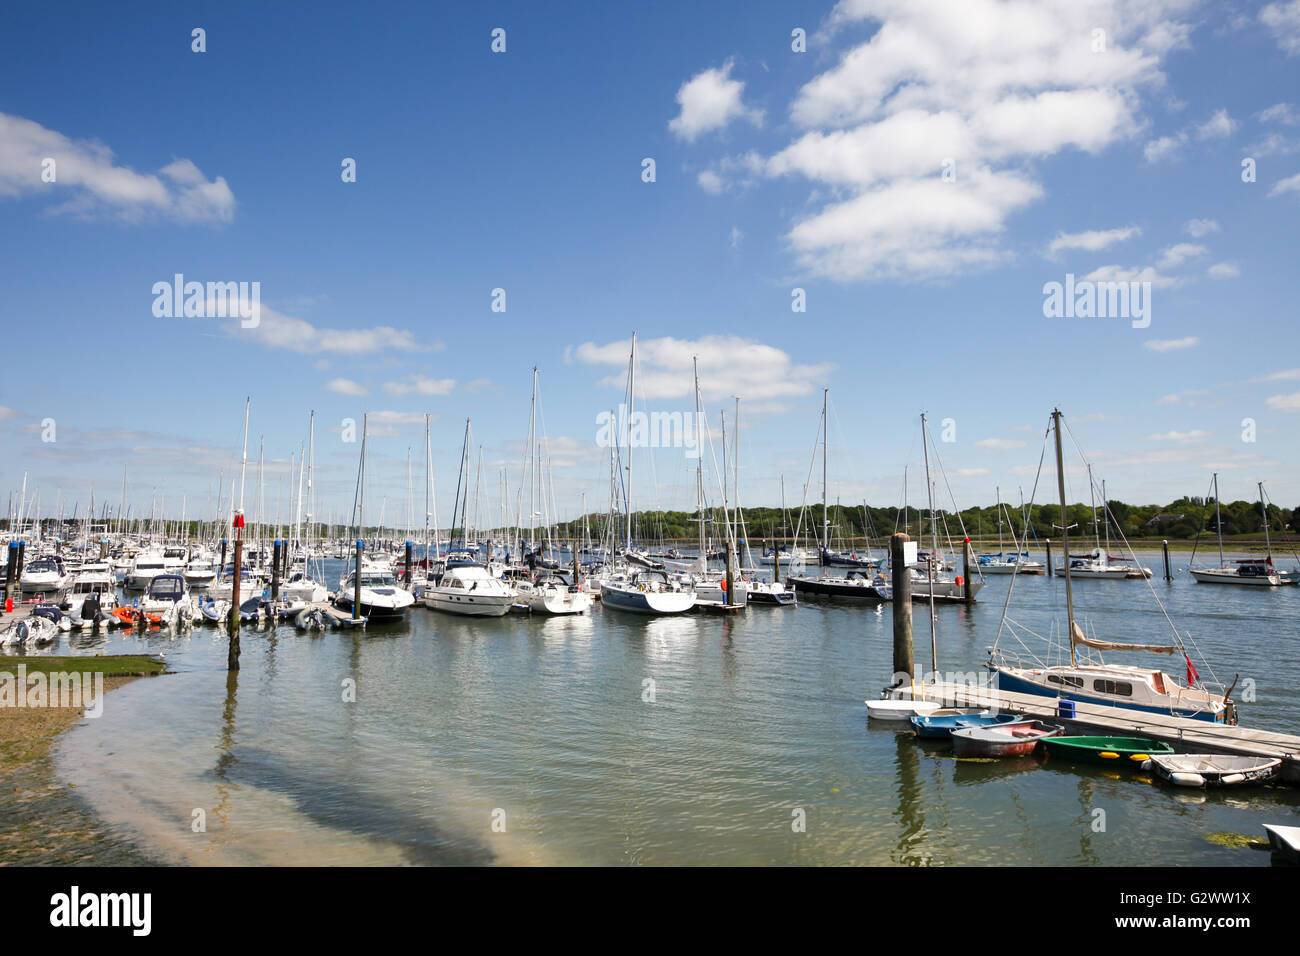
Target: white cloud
[(1116, 273), (710, 100), (345, 386), (1286, 375), (1163, 148), (735, 237), (280, 331), (421, 385), (1200, 227), (1285, 403), (1283, 113), (1176, 255), (1289, 185), (729, 365), (1219, 125), (91, 184), (1181, 437), (1000, 444), (1283, 22), (1091, 241), (1170, 345), (1223, 270), (710, 182), (926, 132)]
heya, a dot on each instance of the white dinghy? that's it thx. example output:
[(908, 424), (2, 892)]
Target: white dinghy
[(1213, 770)]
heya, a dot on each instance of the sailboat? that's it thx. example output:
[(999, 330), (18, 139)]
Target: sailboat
[(1099, 565), (649, 590), (546, 590), (1088, 678), (1018, 562), (373, 594), (1253, 572), (856, 584)]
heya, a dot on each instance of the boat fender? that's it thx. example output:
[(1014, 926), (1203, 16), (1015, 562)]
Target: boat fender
[(1109, 755), (1147, 764), (1232, 778), (958, 581), (1140, 758), (1187, 779)]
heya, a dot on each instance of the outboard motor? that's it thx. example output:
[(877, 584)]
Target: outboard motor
[(90, 607)]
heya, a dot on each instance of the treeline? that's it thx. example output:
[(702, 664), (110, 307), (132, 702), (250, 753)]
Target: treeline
[(1184, 518)]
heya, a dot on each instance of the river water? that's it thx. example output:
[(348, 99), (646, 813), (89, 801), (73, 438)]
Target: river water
[(612, 739)]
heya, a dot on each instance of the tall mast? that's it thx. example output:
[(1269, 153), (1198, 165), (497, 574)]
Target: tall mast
[(826, 446), (361, 507), (243, 467), (631, 418), (1263, 508), (428, 485), (699, 467), (532, 464), (998, 491), (1065, 533), (1218, 523), (934, 553)]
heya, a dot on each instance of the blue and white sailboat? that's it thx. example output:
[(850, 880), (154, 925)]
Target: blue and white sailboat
[(1088, 679)]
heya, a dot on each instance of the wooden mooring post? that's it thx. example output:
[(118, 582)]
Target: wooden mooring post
[(901, 581)]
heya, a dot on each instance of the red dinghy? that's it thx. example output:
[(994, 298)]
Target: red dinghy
[(1001, 740)]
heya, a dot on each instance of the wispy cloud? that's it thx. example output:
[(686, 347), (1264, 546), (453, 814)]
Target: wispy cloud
[(345, 386), (279, 331), (1197, 228), (1285, 403), (1170, 345), (89, 183), (1091, 240), (421, 385)]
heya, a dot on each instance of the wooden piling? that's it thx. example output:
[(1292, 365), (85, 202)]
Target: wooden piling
[(232, 655), (967, 591), (275, 569), (1051, 569), (1169, 574), (901, 579), (11, 565), (410, 558)]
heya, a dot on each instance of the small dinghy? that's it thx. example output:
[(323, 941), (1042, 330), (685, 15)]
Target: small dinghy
[(1012, 739), (894, 708), (214, 611), (1284, 840), (1213, 770), (314, 619), (1130, 751), (34, 630), (943, 722)]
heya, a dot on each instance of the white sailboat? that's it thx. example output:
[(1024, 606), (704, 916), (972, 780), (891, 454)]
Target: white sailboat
[(1089, 679), (1253, 572)]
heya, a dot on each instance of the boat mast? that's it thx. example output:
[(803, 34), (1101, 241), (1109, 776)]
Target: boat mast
[(826, 444), (934, 553), (699, 468), (998, 491), (1263, 508), (1218, 523), (428, 479), (1065, 534), (631, 418)]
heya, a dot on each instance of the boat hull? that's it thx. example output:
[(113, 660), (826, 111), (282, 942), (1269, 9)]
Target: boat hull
[(1007, 681), (647, 602)]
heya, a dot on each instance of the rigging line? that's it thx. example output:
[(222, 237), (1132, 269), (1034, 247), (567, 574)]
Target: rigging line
[(960, 523), (1042, 456), (1182, 639)]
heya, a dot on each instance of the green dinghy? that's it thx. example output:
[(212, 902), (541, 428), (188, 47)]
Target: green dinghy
[(1106, 750)]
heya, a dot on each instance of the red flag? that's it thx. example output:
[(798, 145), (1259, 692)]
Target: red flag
[(1192, 675)]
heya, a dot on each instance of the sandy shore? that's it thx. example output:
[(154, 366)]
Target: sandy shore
[(42, 821)]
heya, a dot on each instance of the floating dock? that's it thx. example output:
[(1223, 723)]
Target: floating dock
[(1184, 734)]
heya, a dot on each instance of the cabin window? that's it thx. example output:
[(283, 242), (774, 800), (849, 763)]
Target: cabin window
[(1067, 681), (1113, 687)]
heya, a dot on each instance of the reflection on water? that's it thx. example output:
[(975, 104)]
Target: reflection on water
[(543, 724)]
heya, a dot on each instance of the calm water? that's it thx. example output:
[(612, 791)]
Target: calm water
[(541, 723)]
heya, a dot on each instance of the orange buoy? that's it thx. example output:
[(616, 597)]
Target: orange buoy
[(959, 581)]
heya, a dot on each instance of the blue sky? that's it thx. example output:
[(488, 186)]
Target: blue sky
[(774, 170)]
